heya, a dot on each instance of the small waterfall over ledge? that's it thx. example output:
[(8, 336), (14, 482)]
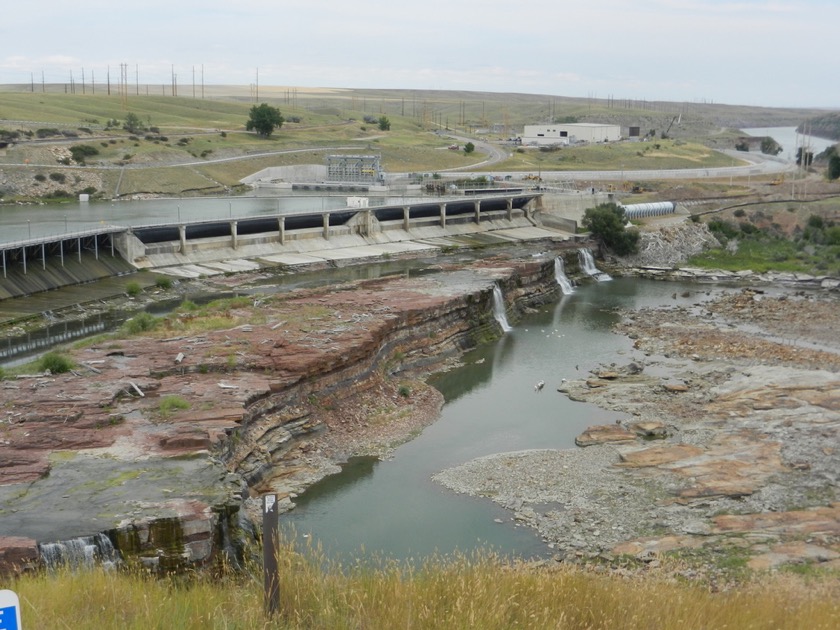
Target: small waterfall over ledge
[(83, 552), (560, 276), (587, 263), (499, 308)]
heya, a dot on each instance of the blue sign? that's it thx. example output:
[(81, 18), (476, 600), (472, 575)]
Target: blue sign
[(9, 611)]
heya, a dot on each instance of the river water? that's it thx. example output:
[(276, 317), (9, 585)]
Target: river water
[(393, 509), (790, 140)]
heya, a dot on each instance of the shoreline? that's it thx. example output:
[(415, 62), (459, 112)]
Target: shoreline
[(726, 457)]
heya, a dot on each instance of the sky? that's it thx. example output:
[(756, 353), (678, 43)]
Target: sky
[(778, 53)]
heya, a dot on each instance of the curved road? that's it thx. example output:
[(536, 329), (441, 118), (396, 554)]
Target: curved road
[(759, 164)]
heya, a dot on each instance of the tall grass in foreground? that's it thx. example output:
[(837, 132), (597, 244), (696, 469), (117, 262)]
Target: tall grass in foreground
[(476, 592)]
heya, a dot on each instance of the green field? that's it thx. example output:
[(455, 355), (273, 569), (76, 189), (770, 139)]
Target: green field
[(190, 135)]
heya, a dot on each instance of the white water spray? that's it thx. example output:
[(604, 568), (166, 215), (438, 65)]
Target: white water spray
[(83, 552), (560, 276), (499, 308), (587, 263)]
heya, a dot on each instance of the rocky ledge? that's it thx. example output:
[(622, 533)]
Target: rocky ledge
[(724, 452), (159, 440)]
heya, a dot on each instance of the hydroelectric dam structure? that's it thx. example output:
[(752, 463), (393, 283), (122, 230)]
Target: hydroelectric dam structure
[(44, 263)]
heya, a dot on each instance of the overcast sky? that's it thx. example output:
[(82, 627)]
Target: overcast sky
[(750, 52)]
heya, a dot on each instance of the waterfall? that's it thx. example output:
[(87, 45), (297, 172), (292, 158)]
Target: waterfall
[(560, 276), (587, 263), (81, 552), (499, 308)]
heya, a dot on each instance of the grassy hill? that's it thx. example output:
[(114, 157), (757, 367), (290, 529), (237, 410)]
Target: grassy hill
[(188, 136)]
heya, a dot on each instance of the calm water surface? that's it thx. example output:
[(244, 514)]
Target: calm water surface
[(392, 508)]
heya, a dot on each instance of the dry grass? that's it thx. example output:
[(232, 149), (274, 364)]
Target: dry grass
[(476, 592)]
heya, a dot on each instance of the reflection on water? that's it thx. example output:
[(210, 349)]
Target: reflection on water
[(394, 508)]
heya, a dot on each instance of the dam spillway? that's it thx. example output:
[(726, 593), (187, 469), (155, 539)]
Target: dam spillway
[(50, 262)]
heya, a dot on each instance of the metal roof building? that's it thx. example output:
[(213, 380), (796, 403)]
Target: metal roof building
[(543, 135)]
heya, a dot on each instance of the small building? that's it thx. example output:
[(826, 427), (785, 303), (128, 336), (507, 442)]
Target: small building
[(354, 168), (545, 135)]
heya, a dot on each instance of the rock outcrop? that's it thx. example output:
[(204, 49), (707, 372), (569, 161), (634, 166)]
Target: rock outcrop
[(158, 440)]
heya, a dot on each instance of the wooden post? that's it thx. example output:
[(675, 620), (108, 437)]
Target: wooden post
[(270, 572)]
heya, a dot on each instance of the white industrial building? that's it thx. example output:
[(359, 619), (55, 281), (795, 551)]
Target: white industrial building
[(542, 135)]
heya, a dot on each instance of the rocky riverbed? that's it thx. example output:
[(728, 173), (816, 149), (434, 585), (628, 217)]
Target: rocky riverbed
[(731, 455), (164, 436)]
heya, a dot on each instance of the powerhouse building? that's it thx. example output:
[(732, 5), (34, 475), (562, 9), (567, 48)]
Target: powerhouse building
[(570, 133)]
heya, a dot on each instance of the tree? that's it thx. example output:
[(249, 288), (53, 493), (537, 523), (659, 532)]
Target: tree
[(132, 123), (770, 147), (606, 222), (834, 166), (384, 123), (264, 119), (469, 147)]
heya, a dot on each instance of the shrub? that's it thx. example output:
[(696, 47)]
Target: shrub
[(46, 133), (58, 177), (40, 177), (739, 212), (142, 322), (723, 228), (404, 391), (163, 282), (133, 289), (607, 223), (55, 362)]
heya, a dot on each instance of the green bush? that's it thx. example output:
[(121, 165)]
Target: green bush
[(58, 177), (723, 228), (133, 289), (163, 282), (55, 362), (82, 151), (40, 177), (606, 222), (142, 322)]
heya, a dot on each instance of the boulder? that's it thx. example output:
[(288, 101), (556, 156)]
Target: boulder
[(604, 434), (17, 554)]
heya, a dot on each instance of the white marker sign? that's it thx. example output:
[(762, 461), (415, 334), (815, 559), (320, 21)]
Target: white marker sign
[(9, 611)]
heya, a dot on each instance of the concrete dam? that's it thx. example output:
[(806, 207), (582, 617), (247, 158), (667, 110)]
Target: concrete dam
[(192, 248)]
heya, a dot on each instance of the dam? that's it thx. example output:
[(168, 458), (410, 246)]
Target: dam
[(195, 247)]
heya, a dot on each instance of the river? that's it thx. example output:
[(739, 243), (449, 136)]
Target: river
[(392, 508), (790, 140)]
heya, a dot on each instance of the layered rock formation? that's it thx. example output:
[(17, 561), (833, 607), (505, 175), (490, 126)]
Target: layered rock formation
[(159, 439)]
